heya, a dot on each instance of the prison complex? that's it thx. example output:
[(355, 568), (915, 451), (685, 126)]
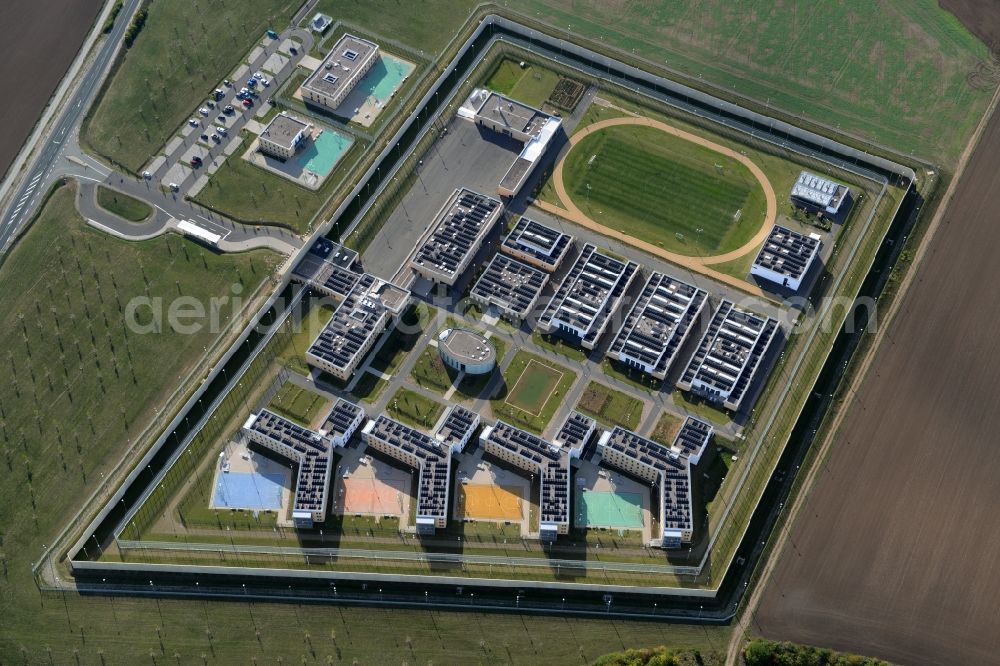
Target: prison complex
[(510, 287), (341, 70), (659, 323), (587, 297), (819, 195), (786, 257), (328, 269), (371, 306), (455, 236), (729, 355), (667, 466), (310, 450), (535, 244)]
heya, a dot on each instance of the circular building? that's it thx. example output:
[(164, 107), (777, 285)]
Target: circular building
[(466, 351)]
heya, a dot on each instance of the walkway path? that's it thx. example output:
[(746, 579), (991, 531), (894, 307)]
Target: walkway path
[(572, 212)]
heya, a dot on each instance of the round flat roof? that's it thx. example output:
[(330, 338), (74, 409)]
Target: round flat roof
[(467, 347)]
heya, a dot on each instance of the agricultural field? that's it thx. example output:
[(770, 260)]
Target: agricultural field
[(178, 57), (533, 389), (123, 205), (876, 581), (610, 407), (664, 189)]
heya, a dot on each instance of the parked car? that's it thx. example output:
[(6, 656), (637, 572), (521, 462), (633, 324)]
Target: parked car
[(147, 175), (221, 118), (293, 50), (194, 122), (227, 83), (196, 161), (204, 137), (229, 109), (221, 131), (251, 82), (174, 187), (216, 138), (247, 103), (272, 34), (219, 93), (210, 104), (265, 82), (203, 111)]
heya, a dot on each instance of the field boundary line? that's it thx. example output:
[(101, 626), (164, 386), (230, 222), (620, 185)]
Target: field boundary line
[(518, 383), (740, 630)]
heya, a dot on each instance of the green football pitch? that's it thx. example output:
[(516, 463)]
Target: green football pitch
[(534, 387), (664, 189)]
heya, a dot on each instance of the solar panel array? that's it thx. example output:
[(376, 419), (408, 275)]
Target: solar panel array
[(433, 462), (818, 191), (658, 324), (728, 355), (360, 318), (787, 252), (588, 295), (456, 235), (510, 286), (327, 268), (457, 426), (342, 419), (537, 244), (576, 430)]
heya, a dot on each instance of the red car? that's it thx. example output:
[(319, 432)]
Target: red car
[(247, 103), (196, 161)]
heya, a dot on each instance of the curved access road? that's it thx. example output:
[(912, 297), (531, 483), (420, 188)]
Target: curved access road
[(572, 212)]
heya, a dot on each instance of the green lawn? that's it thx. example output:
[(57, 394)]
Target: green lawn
[(543, 389), (700, 408), (368, 388), (652, 185), (610, 407), (623, 373), (298, 404), (531, 84), (402, 339), (182, 53), (123, 205), (558, 345), (666, 428), (505, 77), (250, 194), (306, 330), (414, 409)]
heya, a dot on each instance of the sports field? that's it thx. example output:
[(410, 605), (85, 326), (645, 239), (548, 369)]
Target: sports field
[(664, 189), (489, 502), (368, 494), (595, 508), (534, 387)]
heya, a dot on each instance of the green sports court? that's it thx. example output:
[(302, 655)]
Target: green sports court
[(596, 508)]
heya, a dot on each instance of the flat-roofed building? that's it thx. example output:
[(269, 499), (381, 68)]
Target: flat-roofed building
[(576, 431), (509, 286), (466, 351), (328, 268), (729, 355), (588, 296), (429, 456), (369, 309), (455, 236), (669, 467), (532, 127), (350, 59), (536, 244), (535, 455), (282, 136), (819, 195), (786, 257), (309, 450), (655, 330), (457, 427)]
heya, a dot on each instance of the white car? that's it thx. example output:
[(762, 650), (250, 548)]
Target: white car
[(264, 82), (147, 175), (194, 122), (203, 111), (258, 75), (174, 187), (222, 131)]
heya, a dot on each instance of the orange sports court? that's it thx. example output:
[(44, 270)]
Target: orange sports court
[(489, 502)]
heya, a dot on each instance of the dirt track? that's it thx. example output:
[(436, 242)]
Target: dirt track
[(570, 211), (897, 552), (40, 40)]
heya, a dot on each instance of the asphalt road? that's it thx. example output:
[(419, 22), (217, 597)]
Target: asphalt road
[(27, 197)]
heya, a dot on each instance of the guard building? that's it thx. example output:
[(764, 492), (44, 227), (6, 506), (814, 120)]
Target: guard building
[(465, 351), (658, 325), (728, 356), (536, 456), (455, 236), (669, 467), (369, 309), (429, 456), (509, 286), (819, 195), (786, 257), (523, 123), (341, 70), (309, 450), (535, 244), (587, 297), (282, 136)]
